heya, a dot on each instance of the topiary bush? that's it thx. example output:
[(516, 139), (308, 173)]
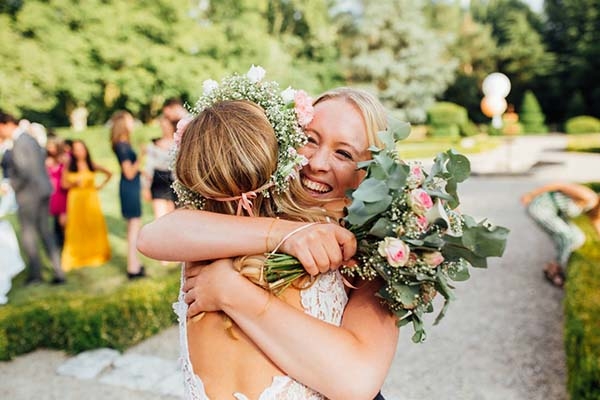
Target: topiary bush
[(582, 124), (531, 115), (582, 325), (74, 323), (446, 119)]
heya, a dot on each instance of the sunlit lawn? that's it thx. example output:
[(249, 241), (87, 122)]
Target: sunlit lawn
[(586, 143), (106, 277)]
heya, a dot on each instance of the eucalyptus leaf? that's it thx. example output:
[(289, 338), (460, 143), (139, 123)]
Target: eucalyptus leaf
[(398, 173), (406, 293), (442, 312), (371, 190), (459, 273), (400, 129), (387, 138), (382, 228), (458, 166)]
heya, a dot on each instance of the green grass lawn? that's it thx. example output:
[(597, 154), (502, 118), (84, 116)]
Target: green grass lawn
[(589, 143), (418, 146), (109, 276)]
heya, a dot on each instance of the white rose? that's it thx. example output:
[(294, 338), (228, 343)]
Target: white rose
[(395, 250), (288, 95), (209, 85), (256, 73)]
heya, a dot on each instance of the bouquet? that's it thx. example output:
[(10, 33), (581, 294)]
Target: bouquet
[(409, 233)]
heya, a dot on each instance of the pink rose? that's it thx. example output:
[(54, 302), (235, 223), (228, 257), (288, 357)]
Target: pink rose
[(433, 258), (419, 201), (303, 107), (416, 174), (395, 250), (181, 126), (422, 222)]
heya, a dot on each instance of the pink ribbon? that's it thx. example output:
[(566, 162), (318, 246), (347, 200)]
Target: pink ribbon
[(245, 199)]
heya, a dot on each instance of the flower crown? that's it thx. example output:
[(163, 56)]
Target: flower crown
[(288, 112)]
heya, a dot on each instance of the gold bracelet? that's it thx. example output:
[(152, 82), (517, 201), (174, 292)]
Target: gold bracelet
[(269, 234)]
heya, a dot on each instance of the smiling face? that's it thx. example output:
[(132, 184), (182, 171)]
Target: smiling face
[(337, 140)]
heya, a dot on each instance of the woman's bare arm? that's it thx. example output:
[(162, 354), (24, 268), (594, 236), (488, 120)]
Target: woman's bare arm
[(190, 235), (347, 362)]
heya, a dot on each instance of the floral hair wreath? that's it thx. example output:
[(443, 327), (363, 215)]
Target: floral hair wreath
[(288, 112)]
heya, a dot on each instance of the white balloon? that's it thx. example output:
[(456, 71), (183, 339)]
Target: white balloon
[(496, 84)]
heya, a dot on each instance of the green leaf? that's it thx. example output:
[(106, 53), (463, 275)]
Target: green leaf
[(397, 176), (371, 190), (459, 273), (419, 336), (454, 250), (382, 228), (458, 165), (399, 129), (387, 138), (406, 293), (483, 238), (384, 161)]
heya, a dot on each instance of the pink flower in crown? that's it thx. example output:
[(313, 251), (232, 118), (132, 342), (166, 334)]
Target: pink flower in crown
[(181, 125), (395, 251), (304, 108), (419, 201)]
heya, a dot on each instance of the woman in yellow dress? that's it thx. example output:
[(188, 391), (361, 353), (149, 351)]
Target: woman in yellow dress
[(86, 236)]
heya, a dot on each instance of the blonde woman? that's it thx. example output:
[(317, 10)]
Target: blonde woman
[(122, 124), (346, 359)]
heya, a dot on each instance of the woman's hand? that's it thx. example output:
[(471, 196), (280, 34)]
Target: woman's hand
[(206, 285), (320, 247)]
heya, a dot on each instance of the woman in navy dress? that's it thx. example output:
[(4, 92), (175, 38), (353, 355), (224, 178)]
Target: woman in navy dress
[(129, 186)]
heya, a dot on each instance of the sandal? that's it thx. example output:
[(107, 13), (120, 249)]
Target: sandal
[(554, 274)]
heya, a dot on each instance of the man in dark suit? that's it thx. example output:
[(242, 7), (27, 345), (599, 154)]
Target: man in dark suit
[(29, 179)]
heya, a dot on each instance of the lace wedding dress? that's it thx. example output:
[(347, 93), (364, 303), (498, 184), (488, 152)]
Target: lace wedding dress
[(325, 300)]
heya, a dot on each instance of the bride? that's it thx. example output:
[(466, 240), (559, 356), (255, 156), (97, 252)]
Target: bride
[(12, 263), (337, 345)]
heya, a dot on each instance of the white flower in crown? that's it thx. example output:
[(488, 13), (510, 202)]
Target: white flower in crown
[(288, 95), (256, 73), (209, 85)]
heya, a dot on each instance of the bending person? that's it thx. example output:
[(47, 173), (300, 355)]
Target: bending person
[(552, 207), (340, 362)]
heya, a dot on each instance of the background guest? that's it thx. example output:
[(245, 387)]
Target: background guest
[(129, 187), (552, 207), (29, 179), (158, 177), (55, 163)]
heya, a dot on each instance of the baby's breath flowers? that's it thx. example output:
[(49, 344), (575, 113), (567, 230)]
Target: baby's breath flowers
[(288, 111)]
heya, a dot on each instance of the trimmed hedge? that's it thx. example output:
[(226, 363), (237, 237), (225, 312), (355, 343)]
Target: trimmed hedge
[(582, 124), (77, 322), (446, 119), (532, 116), (582, 317)]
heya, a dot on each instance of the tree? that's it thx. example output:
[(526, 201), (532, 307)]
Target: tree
[(572, 33), (474, 48), (532, 117), (396, 53), (112, 54), (522, 55)]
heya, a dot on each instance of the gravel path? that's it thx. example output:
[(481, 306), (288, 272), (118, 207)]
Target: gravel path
[(501, 340)]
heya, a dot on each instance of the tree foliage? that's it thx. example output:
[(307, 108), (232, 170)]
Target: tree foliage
[(572, 33), (401, 57)]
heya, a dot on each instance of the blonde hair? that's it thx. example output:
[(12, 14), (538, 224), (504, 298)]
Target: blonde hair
[(230, 148), (371, 109), (119, 129)]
